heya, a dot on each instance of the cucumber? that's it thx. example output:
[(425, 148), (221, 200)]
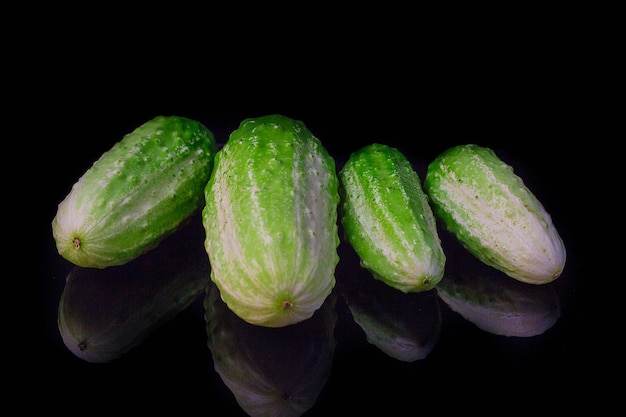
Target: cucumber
[(387, 219), (270, 217), (480, 200), (136, 193)]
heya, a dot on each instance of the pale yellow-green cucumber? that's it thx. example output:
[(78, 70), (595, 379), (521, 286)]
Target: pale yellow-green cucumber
[(387, 219), (479, 198), (270, 217), (136, 193)]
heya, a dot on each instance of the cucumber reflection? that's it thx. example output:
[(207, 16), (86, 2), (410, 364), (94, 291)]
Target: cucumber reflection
[(103, 313), (499, 304), (405, 326), (271, 371)]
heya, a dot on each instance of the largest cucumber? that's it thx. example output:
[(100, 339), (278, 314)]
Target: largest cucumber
[(136, 193), (271, 221)]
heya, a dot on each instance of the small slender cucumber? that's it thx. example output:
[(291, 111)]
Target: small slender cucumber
[(136, 193), (388, 221), (270, 217), (490, 210)]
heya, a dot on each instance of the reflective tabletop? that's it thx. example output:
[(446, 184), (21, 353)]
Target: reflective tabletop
[(162, 338)]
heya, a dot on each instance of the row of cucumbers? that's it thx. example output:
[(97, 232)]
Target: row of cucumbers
[(272, 199)]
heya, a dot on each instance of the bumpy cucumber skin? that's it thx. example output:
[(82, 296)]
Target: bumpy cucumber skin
[(270, 218), (490, 210), (388, 221), (136, 193)]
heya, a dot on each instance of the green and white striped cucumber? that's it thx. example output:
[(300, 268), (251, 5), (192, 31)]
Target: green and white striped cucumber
[(490, 210), (136, 193), (271, 221), (387, 219)]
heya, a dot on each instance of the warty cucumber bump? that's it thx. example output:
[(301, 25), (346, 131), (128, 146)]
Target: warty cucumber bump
[(493, 214), (270, 217), (136, 193), (388, 221)]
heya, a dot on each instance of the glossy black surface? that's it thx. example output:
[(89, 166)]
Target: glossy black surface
[(369, 347)]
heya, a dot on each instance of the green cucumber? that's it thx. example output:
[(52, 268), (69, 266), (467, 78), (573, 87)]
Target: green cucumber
[(479, 198), (388, 221), (136, 193), (270, 217)]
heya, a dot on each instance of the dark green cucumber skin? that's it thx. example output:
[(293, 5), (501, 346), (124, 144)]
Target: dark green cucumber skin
[(388, 221), (136, 193)]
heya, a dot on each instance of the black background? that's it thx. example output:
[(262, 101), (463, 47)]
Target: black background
[(513, 96)]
